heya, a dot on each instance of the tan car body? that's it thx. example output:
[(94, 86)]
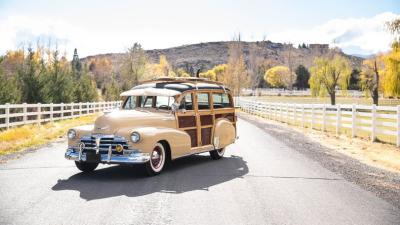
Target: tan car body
[(169, 127)]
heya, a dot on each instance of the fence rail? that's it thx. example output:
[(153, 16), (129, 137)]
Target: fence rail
[(12, 115), (381, 122), (286, 92)]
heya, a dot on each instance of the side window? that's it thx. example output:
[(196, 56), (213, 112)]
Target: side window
[(130, 102), (221, 100), (187, 102), (203, 101), (146, 101)]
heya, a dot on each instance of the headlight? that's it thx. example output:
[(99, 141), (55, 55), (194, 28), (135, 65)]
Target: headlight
[(135, 137), (71, 134)]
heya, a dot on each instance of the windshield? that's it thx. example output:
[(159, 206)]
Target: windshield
[(149, 102)]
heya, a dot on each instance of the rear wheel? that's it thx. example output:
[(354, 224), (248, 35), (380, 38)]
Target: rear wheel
[(85, 166), (157, 160), (217, 153)]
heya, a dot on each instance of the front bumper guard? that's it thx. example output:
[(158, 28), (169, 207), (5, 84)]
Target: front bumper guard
[(132, 157)]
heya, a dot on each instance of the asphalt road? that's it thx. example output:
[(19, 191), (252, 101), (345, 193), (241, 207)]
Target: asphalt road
[(259, 181)]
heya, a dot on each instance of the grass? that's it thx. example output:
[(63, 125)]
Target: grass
[(326, 100), (28, 136)]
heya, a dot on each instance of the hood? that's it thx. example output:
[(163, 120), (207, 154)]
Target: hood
[(111, 122)]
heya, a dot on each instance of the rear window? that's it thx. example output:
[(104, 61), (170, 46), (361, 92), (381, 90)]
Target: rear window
[(221, 100)]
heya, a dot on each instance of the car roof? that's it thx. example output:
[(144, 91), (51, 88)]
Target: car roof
[(181, 84)]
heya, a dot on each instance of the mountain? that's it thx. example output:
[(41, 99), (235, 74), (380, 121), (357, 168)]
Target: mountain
[(206, 55)]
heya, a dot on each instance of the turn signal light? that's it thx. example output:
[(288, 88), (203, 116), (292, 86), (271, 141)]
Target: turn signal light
[(119, 148)]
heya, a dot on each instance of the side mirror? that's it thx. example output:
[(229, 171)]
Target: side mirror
[(174, 107)]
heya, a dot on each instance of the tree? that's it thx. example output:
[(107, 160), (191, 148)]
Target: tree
[(370, 74), (278, 76), (133, 68), (112, 91), (9, 92), (327, 74), (58, 84), (302, 77), (216, 73), (85, 88), (354, 80), (101, 68), (391, 73), (28, 75), (235, 76), (76, 65), (289, 60)]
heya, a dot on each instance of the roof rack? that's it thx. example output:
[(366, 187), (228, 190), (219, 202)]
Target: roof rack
[(193, 80)]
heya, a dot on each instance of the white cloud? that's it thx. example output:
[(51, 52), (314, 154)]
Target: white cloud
[(353, 35)]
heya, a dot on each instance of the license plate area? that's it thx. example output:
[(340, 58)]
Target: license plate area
[(93, 157)]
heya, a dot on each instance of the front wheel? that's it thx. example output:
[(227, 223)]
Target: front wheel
[(85, 166), (157, 160), (217, 153)]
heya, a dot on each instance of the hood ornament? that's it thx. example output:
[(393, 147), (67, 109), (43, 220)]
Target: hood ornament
[(102, 128)]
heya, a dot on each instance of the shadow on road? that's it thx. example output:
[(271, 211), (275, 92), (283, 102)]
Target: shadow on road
[(197, 172)]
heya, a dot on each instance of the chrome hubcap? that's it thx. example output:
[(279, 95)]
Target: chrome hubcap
[(156, 157)]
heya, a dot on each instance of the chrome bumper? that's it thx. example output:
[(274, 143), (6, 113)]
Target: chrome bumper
[(132, 158)]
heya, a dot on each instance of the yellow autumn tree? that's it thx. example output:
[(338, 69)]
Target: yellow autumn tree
[(327, 74), (371, 73), (278, 76), (235, 76)]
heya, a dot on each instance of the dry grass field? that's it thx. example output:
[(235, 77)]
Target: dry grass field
[(29, 136)]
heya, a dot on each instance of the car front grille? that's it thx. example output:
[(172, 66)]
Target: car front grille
[(105, 142)]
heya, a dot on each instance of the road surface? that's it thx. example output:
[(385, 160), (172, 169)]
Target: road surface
[(259, 181)]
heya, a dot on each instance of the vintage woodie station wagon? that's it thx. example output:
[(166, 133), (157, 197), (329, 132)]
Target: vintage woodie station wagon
[(159, 121)]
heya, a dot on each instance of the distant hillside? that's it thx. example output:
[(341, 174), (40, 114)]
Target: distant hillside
[(207, 55)]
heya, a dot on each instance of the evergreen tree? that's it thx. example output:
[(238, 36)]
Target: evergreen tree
[(112, 91), (9, 92), (76, 65), (302, 77), (85, 88), (354, 80), (58, 84), (29, 79)]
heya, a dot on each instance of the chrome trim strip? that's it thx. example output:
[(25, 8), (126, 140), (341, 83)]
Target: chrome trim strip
[(109, 154)]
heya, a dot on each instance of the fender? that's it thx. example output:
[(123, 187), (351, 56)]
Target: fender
[(179, 141), (224, 133)]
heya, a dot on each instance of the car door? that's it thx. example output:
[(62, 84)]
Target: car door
[(186, 117), (205, 119)]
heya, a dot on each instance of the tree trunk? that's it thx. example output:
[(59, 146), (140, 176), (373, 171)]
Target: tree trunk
[(333, 97), (375, 93)]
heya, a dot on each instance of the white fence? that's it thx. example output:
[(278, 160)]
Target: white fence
[(285, 92), (19, 114), (381, 122)]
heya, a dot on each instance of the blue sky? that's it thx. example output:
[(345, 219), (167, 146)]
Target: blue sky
[(111, 26)]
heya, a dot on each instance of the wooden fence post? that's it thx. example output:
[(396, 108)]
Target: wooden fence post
[(62, 110), (25, 112), (87, 108), (338, 119), (51, 112), (373, 123), (398, 126), (353, 120), (324, 118), (39, 113), (312, 116), (7, 113), (295, 114), (302, 115), (80, 108)]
